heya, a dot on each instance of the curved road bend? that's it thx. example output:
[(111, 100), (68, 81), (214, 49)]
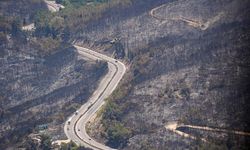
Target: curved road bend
[(152, 13), (75, 126)]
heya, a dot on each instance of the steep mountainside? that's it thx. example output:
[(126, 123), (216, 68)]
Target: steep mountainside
[(24, 10), (179, 72), (42, 81), (188, 63), (39, 90)]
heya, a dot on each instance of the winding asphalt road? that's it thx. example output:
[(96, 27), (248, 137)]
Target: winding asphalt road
[(75, 126)]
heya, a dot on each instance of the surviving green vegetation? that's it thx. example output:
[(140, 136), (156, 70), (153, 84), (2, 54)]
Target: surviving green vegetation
[(72, 146), (46, 144), (77, 3), (36, 59), (117, 133), (65, 24)]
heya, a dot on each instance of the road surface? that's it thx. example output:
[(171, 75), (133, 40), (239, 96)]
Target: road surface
[(75, 126)]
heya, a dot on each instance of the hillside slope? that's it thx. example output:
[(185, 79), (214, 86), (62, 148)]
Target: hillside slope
[(43, 80), (178, 73), (24, 10), (188, 63)]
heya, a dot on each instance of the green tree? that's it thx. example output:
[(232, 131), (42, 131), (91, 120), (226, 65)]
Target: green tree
[(46, 142), (112, 111), (118, 135)]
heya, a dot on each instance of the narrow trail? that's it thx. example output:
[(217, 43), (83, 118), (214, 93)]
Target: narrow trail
[(152, 13), (174, 128), (191, 22), (216, 130), (202, 26)]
